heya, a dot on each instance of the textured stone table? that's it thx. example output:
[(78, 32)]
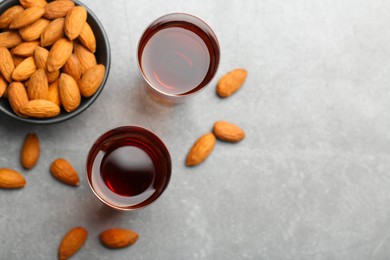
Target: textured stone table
[(310, 181)]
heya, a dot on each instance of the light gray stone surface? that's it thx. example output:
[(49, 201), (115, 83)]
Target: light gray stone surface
[(310, 181)]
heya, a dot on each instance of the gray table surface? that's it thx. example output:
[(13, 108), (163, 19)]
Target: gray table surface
[(310, 181)]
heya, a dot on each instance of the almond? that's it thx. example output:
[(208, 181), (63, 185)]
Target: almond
[(40, 57), (54, 95), (17, 60), (39, 108), (38, 87), (87, 38), (3, 86), (25, 49), (9, 39), (24, 70), (7, 65), (53, 32), (17, 96), (52, 76), (75, 21), (59, 54), (31, 3), (91, 80), (7, 17), (11, 179), (231, 82), (30, 151), (72, 242), (229, 132), (34, 30), (118, 238), (86, 58), (27, 17), (63, 171), (72, 67), (201, 149), (58, 9), (69, 93)]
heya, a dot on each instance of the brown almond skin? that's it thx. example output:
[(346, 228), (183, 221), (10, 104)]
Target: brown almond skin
[(52, 76), (58, 9), (34, 30), (91, 80), (231, 82), (38, 87), (31, 3), (7, 65), (118, 238), (201, 149), (10, 39), (75, 21), (40, 57), (17, 60), (54, 93), (11, 179), (39, 108), (72, 67), (7, 17), (63, 171), (59, 53), (87, 38), (27, 17), (3, 86), (72, 242), (25, 49), (69, 93), (24, 70), (29, 155), (17, 97), (86, 58), (53, 32), (228, 132)]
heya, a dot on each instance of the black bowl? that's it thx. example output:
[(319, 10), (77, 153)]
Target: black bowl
[(103, 56)]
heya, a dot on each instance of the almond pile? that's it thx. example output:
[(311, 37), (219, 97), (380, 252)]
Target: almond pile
[(223, 130), (47, 58)]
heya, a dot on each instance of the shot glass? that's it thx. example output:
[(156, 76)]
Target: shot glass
[(128, 167), (178, 55)]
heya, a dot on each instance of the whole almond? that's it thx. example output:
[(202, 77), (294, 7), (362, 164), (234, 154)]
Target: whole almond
[(91, 80), (87, 38), (3, 85), (229, 132), (59, 53), (52, 76), (24, 70), (17, 60), (38, 87), (86, 58), (72, 67), (39, 108), (25, 49), (231, 82), (72, 242), (75, 21), (7, 65), (40, 57), (31, 3), (63, 171), (9, 39), (69, 93), (118, 238), (11, 179), (58, 9), (201, 149), (34, 30), (17, 97), (54, 94), (29, 155), (7, 17), (27, 17), (53, 32)]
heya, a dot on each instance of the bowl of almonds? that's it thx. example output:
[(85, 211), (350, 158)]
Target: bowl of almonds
[(54, 59)]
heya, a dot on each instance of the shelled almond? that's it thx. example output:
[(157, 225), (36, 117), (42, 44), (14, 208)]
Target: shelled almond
[(39, 41)]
